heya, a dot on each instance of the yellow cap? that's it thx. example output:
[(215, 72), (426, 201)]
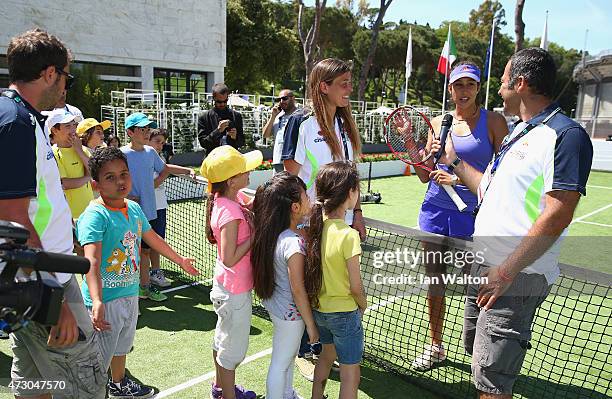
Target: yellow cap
[(225, 162), (88, 123)]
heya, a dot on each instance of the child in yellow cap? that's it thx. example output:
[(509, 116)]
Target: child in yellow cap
[(91, 132), (228, 226)]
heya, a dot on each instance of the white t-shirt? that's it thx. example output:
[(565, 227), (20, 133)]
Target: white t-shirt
[(278, 131), (161, 201), (312, 152), (281, 304), (555, 156)]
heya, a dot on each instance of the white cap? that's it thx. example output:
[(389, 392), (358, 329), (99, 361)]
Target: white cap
[(59, 115)]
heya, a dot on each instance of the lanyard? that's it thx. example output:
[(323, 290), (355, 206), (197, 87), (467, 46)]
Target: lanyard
[(343, 135), (505, 146)]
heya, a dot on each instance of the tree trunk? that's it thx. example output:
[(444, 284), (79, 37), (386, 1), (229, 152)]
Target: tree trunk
[(519, 25), (365, 68), (310, 41)]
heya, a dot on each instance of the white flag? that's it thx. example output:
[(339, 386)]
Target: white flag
[(544, 40), (409, 56)]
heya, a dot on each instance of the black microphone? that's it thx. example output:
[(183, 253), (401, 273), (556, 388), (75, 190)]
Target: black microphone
[(447, 121), (48, 261)]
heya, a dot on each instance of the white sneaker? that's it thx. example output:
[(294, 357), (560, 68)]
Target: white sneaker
[(433, 354), (293, 395), (306, 367), (159, 279)]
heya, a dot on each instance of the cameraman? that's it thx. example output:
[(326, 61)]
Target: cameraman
[(220, 125), (32, 195)]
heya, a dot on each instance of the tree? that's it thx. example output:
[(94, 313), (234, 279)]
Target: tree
[(519, 25), (481, 20), (365, 68), (310, 41)]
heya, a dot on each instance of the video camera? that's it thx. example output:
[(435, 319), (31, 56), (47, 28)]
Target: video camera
[(21, 298)]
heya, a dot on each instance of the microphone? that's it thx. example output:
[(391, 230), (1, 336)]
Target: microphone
[(447, 121), (48, 261)]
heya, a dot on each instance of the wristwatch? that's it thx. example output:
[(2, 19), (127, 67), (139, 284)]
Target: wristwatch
[(454, 164), (454, 180)]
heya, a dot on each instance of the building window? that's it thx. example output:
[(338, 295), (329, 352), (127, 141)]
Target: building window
[(175, 80), (108, 69)]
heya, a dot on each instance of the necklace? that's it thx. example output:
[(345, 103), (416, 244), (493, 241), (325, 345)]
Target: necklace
[(468, 118)]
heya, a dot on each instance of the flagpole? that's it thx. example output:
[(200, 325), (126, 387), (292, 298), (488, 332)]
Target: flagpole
[(446, 67), (490, 59), (408, 55)]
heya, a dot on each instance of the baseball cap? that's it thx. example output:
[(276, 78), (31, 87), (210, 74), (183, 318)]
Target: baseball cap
[(59, 115), (138, 119), (225, 162), (464, 71), (88, 123)]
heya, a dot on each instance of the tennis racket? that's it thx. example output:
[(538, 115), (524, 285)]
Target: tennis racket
[(406, 132)]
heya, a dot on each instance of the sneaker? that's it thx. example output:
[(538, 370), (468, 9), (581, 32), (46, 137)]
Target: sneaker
[(241, 392), (433, 354), (336, 366), (293, 395), (215, 392), (158, 278), (306, 367), (129, 389), (151, 293)]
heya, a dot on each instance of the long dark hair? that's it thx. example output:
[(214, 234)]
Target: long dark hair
[(216, 189), (272, 208), (333, 185)]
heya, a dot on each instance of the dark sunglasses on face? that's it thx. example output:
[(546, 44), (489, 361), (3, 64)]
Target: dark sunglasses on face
[(283, 98), (69, 78), (221, 101)]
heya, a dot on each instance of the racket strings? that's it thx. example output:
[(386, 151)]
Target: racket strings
[(407, 133)]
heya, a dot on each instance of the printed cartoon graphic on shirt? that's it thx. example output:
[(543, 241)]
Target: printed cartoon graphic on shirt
[(122, 269)]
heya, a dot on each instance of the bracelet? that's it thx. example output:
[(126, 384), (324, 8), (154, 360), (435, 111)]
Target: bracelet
[(357, 210), (503, 276)]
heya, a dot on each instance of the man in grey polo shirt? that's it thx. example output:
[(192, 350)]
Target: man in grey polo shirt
[(527, 197), (63, 360)]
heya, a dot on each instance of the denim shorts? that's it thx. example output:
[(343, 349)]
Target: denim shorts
[(344, 331)]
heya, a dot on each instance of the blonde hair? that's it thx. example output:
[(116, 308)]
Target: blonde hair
[(326, 71)]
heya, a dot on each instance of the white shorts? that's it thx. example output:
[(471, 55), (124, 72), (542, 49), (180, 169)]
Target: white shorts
[(233, 325), (122, 315)]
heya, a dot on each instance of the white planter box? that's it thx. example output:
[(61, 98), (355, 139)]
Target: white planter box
[(379, 169), (259, 177)]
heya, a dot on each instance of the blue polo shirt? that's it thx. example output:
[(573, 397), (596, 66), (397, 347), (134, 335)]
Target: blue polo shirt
[(143, 165)]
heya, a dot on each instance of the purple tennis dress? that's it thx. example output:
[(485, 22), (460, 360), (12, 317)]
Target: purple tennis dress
[(439, 214)]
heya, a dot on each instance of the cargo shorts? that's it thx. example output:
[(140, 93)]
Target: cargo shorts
[(498, 339), (73, 372)]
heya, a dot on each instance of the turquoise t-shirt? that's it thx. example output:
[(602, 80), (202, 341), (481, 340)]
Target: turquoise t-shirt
[(121, 237)]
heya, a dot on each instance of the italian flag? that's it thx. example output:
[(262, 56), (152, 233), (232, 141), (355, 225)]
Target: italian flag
[(449, 54)]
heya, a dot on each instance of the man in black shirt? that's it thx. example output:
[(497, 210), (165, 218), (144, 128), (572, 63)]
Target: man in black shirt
[(220, 125)]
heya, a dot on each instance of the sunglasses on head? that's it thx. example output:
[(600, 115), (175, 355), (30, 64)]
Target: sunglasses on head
[(283, 98), (69, 78)]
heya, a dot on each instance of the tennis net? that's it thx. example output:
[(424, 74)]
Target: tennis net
[(571, 344)]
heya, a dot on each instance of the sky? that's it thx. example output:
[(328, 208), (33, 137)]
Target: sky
[(567, 19)]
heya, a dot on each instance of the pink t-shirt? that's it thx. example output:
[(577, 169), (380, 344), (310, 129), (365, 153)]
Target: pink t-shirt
[(239, 278)]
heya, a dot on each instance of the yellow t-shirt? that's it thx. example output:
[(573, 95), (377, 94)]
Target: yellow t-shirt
[(71, 166), (339, 243)]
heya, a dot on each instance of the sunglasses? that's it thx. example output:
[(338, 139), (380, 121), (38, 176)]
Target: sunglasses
[(69, 78), (221, 101), (283, 98)]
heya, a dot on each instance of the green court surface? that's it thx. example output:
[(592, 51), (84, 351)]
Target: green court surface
[(571, 331)]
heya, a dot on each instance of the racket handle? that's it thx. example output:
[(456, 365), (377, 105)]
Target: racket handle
[(455, 197)]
